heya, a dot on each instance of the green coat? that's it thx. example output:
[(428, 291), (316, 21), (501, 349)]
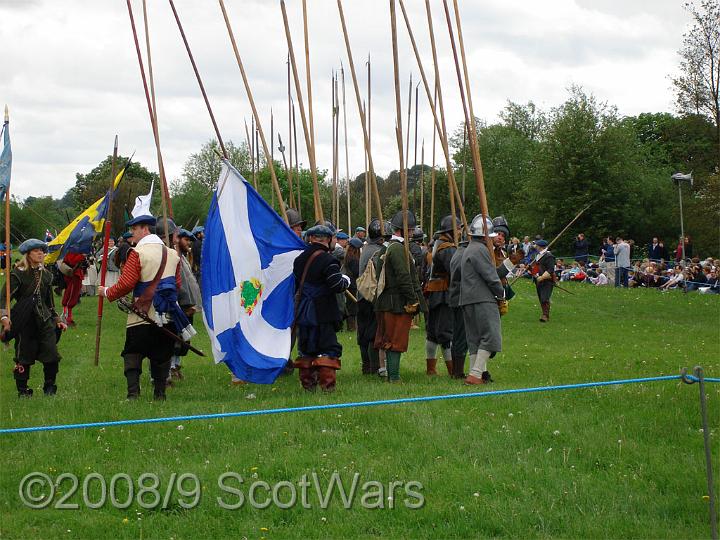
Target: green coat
[(402, 286), (23, 285)]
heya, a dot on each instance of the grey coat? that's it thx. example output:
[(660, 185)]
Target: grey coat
[(455, 275), (479, 282)]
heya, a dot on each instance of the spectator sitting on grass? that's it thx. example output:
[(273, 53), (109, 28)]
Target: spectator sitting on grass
[(600, 280), (675, 280)]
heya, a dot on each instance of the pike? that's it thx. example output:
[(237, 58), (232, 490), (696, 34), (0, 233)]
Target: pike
[(289, 167), (573, 220), (106, 242), (347, 159), (144, 316), (6, 124), (268, 152)]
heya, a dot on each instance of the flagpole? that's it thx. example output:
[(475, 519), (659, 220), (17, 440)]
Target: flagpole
[(271, 163), (366, 131), (6, 125), (106, 243), (306, 130)]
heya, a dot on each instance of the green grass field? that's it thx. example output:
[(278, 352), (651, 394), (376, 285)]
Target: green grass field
[(621, 461)]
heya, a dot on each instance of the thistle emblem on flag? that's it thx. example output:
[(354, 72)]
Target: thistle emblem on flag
[(250, 294)]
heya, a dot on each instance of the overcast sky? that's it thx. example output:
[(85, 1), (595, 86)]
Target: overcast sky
[(69, 72)]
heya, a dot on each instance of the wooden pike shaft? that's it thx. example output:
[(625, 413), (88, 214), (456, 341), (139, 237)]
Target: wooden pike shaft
[(347, 158), (433, 172), (409, 116), (398, 132), (308, 78), (439, 123), (334, 152), (306, 130), (248, 90), (106, 244), (6, 124), (368, 198), (290, 138), (297, 161), (252, 152), (199, 79), (366, 136), (151, 110), (422, 186), (166, 202), (468, 110), (337, 152)]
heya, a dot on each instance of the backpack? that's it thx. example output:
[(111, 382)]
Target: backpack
[(371, 285)]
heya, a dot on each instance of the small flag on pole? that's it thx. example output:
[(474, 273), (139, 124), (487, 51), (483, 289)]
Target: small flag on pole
[(5, 158)]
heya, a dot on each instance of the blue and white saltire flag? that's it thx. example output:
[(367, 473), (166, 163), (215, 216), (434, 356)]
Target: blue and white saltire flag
[(5, 160), (247, 281)]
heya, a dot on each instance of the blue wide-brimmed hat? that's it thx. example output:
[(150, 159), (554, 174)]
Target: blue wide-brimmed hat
[(197, 229), (541, 243), (145, 219), (319, 230), (342, 236), (184, 233), (356, 243), (32, 243), (127, 235)]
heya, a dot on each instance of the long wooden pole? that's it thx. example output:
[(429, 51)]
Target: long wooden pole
[(308, 77), (334, 150), (106, 245), (347, 158), (415, 145), (252, 152), (166, 204), (6, 125), (271, 161), (248, 90), (306, 129), (249, 145), (199, 79), (440, 124), (358, 99), (433, 172), (409, 116), (422, 186), (477, 164), (297, 161), (151, 109), (398, 131), (290, 138)]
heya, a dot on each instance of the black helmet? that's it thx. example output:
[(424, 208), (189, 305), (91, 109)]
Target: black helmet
[(294, 218), (418, 235), (374, 229), (500, 224), (446, 224), (160, 227), (329, 224), (397, 220)]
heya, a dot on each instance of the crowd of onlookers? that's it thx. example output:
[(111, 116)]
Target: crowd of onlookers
[(623, 263)]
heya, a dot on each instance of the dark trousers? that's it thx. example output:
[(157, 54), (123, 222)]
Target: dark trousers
[(366, 329), (319, 340), (459, 343), (621, 277), (147, 341), (21, 373)]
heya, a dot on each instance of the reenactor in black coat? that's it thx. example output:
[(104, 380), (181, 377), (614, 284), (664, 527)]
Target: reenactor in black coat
[(33, 321), (439, 327), (317, 315), (543, 271)]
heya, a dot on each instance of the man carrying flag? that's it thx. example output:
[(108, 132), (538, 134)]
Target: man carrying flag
[(247, 280)]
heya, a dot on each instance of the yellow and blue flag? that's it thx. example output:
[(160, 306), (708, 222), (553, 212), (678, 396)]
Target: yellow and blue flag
[(77, 237)]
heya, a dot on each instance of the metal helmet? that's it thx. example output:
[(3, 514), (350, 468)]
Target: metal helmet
[(446, 224), (418, 235), (160, 227), (375, 229), (397, 221), (500, 224), (294, 218), (477, 229), (387, 229)]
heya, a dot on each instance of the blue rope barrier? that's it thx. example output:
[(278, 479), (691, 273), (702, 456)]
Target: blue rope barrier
[(346, 405)]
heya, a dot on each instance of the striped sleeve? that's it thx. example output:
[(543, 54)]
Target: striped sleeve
[(128, 278), (334, 278)]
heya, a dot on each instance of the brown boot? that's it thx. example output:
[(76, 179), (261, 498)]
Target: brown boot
[(449, 366), (308, 376), (472, 380), (326, 367), (431, 366), (545, 317)]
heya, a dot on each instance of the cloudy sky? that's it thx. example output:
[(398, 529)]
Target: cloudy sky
[(69, 73)]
